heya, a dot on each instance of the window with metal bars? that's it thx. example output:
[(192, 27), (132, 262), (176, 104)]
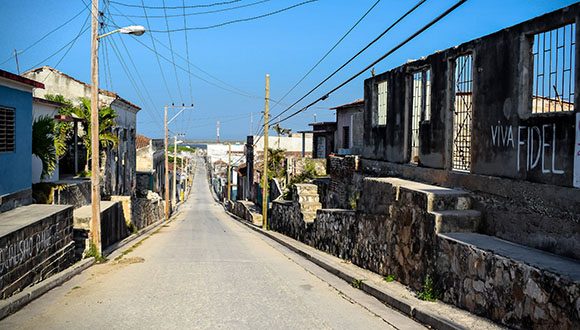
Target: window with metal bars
[(554, 57), (381, 115), (462, 113), (7, 130), (420, 108)]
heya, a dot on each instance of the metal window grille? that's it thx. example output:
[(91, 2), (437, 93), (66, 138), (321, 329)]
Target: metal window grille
[(6, 130), (381, 118), (554, 56), (462, 113), (427, 111), (416, 109)]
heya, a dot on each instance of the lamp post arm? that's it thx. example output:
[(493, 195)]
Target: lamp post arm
[(108, 33)]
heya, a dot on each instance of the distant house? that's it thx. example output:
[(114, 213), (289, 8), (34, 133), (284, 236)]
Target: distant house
[(119, 171), (15, 139), (322, 138), (150, 164), (348, 136)]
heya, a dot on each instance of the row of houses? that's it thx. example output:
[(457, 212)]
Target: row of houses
[(46, 218)]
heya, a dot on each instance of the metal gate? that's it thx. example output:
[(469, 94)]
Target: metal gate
[(462, 113)]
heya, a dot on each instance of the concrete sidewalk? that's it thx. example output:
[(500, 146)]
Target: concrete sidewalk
[(434, 314)]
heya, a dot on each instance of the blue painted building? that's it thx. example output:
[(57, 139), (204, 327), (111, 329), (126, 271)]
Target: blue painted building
[(15, 139)]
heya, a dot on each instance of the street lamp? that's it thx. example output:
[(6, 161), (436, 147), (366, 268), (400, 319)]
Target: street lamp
[(95, 179)]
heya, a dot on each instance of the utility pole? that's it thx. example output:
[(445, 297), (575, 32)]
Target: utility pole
[(166, 169), (17, 64), (175, 170), (229, 171), (167, 122), (95, 168), (265, 173)]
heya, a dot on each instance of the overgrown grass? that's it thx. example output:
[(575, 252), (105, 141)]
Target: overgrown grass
[(357, 283), (92, 252)]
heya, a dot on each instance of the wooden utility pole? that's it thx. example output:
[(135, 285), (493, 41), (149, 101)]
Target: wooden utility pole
[(166, 169), (229, 171), (175, 170), (95, 168), (265, 173)]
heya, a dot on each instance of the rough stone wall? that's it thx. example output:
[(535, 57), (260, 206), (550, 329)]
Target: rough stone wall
[(504, 290), (541, 216), (391, 233), (35, 252), (147, 211), (345, 182), (76, 194)]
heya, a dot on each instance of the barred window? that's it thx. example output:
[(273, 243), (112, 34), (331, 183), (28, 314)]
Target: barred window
[(381, 116), (421, 108), (554, 57), (6, 129)]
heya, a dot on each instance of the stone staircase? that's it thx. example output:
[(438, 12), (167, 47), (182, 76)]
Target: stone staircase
[(451, 207), (306, 195)]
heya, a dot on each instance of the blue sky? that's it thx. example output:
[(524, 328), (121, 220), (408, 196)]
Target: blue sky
[(238, 56)]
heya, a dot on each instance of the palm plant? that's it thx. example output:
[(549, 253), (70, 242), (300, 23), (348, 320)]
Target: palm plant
[(106, 122), (43, 144), (62, 130)]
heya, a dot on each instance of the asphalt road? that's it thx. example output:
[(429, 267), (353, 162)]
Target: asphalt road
[(206, 270)]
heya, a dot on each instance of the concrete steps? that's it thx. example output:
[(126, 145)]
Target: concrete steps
[(457, 221), (306, 195)]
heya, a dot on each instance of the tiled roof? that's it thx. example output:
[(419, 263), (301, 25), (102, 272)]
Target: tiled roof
[(141, 141), (20, 79)]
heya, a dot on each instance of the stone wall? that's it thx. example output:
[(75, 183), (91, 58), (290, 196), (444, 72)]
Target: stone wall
[(113, 225), (76, 193), (511, 292), (35, 242), (147, 211), (345, 182), (395, 230)]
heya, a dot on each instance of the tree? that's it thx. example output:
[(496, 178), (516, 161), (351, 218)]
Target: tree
[(43, 144), (62, 130), (276, 168), (106, 122)]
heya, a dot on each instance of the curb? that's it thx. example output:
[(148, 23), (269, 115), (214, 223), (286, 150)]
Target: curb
[(406, 307), (17, 301)]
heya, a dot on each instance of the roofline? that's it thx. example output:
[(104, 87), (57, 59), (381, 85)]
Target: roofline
[(49, 102), (322, 123), (20, 79), (101, 91)]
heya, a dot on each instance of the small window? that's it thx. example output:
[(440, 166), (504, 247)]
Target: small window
[(381, 117), (345, 137), (6, 130), (554, 57), (420, 108)]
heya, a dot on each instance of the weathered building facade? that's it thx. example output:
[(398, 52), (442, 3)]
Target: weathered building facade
[(119, 168), (497, 116), (348, 137)]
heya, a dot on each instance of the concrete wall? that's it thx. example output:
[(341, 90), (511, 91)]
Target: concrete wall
[(507, 139), (16, 166), (349, 117), (39, 244)]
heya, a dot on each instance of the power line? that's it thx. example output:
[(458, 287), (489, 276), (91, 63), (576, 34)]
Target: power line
[(237, 20), (328, 52), (176, 7), (172, 56), (187, 51), (46, 35), (353, 57), (401, 44), (155, 52), (198, 13)]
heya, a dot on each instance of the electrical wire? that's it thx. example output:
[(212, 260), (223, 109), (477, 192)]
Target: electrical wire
[(327, 53), (60, 49), (46, 35), (390, 27), (176, 7), (172, 55), (198, 13), (392, 50), (247, 19), (156, 53)]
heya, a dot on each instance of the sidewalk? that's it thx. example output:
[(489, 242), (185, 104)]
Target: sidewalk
[(435, 314)]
